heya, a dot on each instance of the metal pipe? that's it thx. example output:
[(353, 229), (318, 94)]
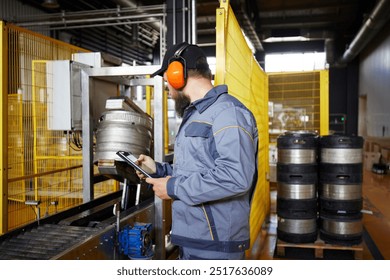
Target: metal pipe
[(43, 173), (378, 17), (174, 22), (193, 22), (183, 23), (89, 13), (116, 49), (125, 197), (138, 194), (163, 40), (75, 21), (114, 44), (133, 4), (150, 44), (99, 25)]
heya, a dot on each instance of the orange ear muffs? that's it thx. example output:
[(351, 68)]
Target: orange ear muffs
[(176, 74)]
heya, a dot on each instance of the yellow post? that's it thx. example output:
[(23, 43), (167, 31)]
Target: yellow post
[(324, 102), (3, 129), (220, 47), (148, 97), (225, 5), (34, 115), (166, 123)]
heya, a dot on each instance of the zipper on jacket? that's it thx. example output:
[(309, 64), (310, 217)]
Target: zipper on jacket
[(208, 222)]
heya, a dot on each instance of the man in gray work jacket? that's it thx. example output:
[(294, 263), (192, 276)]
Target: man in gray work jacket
[(215, 161)]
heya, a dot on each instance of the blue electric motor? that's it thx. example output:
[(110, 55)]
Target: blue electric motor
[(136, 242)]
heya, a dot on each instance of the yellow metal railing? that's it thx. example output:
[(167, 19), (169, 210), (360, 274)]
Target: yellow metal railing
[(237, 67), (36, 163), (3, 129)]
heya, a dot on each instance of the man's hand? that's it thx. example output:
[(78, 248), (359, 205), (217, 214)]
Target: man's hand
[(159, 186), (147, 164)]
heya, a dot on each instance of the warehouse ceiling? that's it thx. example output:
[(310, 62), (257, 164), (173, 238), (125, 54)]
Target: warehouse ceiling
[(271, 26)]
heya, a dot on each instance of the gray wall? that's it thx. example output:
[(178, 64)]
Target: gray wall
[(374, 83)]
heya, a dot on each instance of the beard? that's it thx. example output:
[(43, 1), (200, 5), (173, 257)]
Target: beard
[(181, 103)]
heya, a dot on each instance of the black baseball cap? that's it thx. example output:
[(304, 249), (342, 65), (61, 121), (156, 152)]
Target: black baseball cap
[(190, 53)]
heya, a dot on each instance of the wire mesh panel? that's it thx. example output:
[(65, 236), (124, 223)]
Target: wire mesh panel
[(16, 190), (237, 67), (44, 166), (298, 101)]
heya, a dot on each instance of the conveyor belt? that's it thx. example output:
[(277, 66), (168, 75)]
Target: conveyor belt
[(83, 232), (43, 242)]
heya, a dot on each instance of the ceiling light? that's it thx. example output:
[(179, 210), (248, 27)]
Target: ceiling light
[(285, 39), (50, 4)]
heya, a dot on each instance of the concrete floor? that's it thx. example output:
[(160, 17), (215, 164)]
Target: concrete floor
[(376, 226)]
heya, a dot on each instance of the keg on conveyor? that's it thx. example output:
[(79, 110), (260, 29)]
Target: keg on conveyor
[(122, 127), (340, 189), (297, 178)]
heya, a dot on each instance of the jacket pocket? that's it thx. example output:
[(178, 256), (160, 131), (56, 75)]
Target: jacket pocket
[(199, 150), (199, 129)]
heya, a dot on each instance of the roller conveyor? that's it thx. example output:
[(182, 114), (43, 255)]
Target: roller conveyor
[(44, 242), (84, 232)]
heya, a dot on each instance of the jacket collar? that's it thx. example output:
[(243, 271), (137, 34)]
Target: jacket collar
[(202, 104)]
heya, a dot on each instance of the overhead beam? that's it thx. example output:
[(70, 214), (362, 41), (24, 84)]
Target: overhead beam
[(289, 47)]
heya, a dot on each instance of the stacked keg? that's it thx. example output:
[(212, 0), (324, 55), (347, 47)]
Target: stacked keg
[(340, 189), (297, 176)]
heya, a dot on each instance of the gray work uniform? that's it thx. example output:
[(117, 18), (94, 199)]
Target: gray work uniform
[(213, 174)]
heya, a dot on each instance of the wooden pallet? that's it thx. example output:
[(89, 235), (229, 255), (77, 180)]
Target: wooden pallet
[(319, 246)]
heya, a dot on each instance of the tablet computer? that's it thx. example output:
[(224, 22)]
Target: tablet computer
[(131, 159)]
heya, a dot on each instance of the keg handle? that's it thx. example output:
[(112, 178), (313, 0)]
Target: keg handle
[(344, 140), (301, 211), (299, 141), (296, 176), (342, 177)]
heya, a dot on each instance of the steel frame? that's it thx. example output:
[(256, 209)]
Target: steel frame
[(113, 73)]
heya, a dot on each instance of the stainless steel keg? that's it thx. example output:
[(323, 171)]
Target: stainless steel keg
[(297, 175), (341, 149), (297, 230), (341, 192), (341, 229), (123, 127), (296, 191), (340, 174), (122, 130), (298, 147)]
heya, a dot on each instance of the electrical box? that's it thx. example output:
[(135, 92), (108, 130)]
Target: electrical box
[(64, 94), (337, 123)]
